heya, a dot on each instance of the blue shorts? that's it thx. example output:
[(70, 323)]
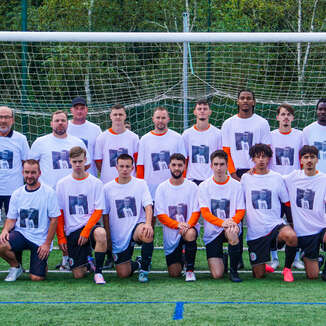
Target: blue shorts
[(19, 243)]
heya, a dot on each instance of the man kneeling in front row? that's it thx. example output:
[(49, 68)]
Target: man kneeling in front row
[(81, 200), (31, 224)]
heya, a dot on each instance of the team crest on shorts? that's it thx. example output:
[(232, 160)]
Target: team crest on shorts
[(253, 256), (71, 261), (115, 257)]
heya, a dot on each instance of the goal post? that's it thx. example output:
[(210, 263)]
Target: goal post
[(42, 71)]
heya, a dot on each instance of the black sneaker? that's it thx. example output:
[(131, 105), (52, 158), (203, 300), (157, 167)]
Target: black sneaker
[(234, 276)]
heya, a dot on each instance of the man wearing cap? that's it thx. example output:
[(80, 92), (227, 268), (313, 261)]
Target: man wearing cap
[(85, 130)]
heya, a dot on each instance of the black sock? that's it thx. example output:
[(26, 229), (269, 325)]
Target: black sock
[(99, 261), (240, 247), (19, 256), (191, 250), (146, 255), (235, 256), (290, 253), (109, 254), (134, 266)]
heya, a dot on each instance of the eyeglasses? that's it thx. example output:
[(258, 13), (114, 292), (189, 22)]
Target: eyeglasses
[(5, 117)]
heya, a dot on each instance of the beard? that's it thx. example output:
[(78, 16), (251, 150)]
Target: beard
[(31, 183), (177, 176), (4, 129), (59, 132)]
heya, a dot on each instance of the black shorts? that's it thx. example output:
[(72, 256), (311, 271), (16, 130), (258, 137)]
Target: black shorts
[(259, 249), (310, 244), (214, 249), (197, 182), (176, 256), (4, 200), (78, 255), (126, 255), (19, 243)]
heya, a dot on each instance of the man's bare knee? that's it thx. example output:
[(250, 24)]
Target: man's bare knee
[(190, 235), (36, 278), (217, 274), (78, 273), (100, 235)]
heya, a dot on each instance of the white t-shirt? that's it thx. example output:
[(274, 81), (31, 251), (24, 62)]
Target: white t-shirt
[(32, 211), (308, 199), (88, 133), (241, 134), (286, 149), (109, 146), (154, 153), (263, 195), (199, 146), (223, 200), (53, 154), (13, 150), (119, 200), (315, 135), (79, 199), (178, 202)]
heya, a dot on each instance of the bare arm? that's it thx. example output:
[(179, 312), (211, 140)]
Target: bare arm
[(44, 249), (106, 225), (4, 236)]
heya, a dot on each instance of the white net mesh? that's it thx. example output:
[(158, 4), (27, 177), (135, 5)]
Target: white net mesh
[(42, 77)]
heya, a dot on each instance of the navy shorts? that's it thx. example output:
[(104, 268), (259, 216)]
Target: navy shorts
[(19, 243), (126, 255), (4, 200), (214, 249), (310, 244), (259, 249), (176, 256), (78, 255)]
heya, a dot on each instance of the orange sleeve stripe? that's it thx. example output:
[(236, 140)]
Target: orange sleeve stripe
[(140, 172), (288, 204), (231, 166), (60, 229), (135, 157), (98, 161), (239, 215), (91, 222), (209, 217), (185, 171), (167, 221), (194, 219)]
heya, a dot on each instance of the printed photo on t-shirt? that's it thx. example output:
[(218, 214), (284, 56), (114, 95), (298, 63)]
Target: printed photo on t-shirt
[(160, 160), (178, 212), (126, 207), (78, 205), (200, 154), (284, 156), (29, 218), (60, 160), (321, 146), (305, 198), (243, 140), (220, 208), (261, 199), (115, 153), (6, 158)]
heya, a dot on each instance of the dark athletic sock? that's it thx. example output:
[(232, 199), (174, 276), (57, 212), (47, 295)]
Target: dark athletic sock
[(146, 255), (99, 261), (191, 250), (290, 253)]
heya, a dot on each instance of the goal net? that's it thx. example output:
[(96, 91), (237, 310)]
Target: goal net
[(39, 77)]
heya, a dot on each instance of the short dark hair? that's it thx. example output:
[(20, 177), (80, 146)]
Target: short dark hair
[(59, 112), (117, 106), (307, 149), (178, 157), (76, 151), (125, 156), (259, 149), (321, 100), (32, 162), (248, 91), (220, 154), (287, 107), (202, 101)]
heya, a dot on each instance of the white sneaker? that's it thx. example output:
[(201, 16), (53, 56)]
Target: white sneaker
[(190, 276), (298, 264), (274, 263), (14, 273)]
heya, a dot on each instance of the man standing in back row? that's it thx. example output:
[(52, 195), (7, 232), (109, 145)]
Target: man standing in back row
[(83, 129), (200, 141)]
